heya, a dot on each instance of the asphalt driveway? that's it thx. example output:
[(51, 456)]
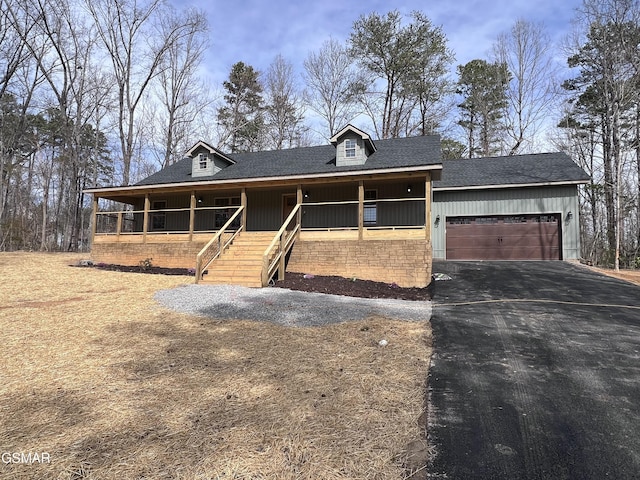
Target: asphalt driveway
[(536, 373)]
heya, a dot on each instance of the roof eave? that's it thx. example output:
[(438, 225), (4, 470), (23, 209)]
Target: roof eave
[(350, 128), (435, 169), (510, 185)]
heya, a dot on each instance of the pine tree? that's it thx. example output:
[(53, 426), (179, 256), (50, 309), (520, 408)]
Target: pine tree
[(242, 118), (482, 86)]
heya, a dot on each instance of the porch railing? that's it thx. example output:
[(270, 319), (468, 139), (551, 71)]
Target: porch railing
[(378, 214), (171, 220), (274, 256), (117, 222), (214, 247)]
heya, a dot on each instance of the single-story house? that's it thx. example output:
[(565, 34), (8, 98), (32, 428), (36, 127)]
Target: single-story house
[(354, 208)]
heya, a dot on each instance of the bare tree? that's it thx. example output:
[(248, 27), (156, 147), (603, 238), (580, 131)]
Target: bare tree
[(15, 96), (397, 57), (132, 33), (284, 113), (13, 51), (333, 85), (526, 50), (182, 95), (606, 90), (69, 45)]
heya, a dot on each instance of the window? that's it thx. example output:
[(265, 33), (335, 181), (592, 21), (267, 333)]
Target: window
[(159, 219), (350, 148), (370, 208), (223, 215), (203, 160)]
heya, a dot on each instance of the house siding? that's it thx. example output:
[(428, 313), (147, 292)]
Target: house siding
[(509, 201), (264, 209), (388, 214), (174, 221)]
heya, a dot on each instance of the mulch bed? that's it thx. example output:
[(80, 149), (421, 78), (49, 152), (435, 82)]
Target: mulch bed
[(140, 269), (354, 288), (306, 283)]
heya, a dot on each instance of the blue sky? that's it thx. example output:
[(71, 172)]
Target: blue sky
[(255, 31)]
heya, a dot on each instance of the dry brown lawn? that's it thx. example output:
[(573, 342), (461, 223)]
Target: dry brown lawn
[(110, 385), (632, 276)]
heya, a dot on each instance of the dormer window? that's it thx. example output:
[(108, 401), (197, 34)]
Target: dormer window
[(206, 161), (350, 148), (353, 147)]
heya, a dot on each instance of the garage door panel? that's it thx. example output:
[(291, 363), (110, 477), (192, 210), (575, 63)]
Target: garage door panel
[(529, 253), (504, 253), (532, 237)]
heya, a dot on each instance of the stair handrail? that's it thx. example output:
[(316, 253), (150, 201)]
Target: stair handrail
[(272, 261), (202, 260)]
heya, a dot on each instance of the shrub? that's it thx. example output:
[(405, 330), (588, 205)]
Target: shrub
[(146, 264)]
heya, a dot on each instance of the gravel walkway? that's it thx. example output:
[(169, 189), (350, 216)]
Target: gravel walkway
[(285, 307)]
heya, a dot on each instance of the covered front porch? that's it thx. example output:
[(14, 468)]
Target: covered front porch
[(193, 225)]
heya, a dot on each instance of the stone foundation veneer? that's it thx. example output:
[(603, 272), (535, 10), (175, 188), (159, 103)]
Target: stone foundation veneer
[(404, 262), (169, 255)]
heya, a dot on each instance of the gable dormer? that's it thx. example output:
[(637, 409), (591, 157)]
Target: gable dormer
[(206, 161), (353, 146)]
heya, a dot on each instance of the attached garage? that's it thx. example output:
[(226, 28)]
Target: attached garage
[(522, 207)]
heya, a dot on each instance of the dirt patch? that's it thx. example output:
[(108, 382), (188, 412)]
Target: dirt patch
[(353, 287), (46, 304), (115, 386)]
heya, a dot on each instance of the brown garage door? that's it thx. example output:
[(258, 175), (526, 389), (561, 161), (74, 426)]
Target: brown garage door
[(520, 237)]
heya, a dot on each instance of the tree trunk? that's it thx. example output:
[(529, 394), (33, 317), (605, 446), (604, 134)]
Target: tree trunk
[(638, 178), (609, 179)]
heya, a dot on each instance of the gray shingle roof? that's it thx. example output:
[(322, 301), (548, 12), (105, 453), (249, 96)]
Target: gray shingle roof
[(390, 153), (538, 168)]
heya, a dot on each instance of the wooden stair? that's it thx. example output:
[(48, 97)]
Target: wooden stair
[(241, 263)]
